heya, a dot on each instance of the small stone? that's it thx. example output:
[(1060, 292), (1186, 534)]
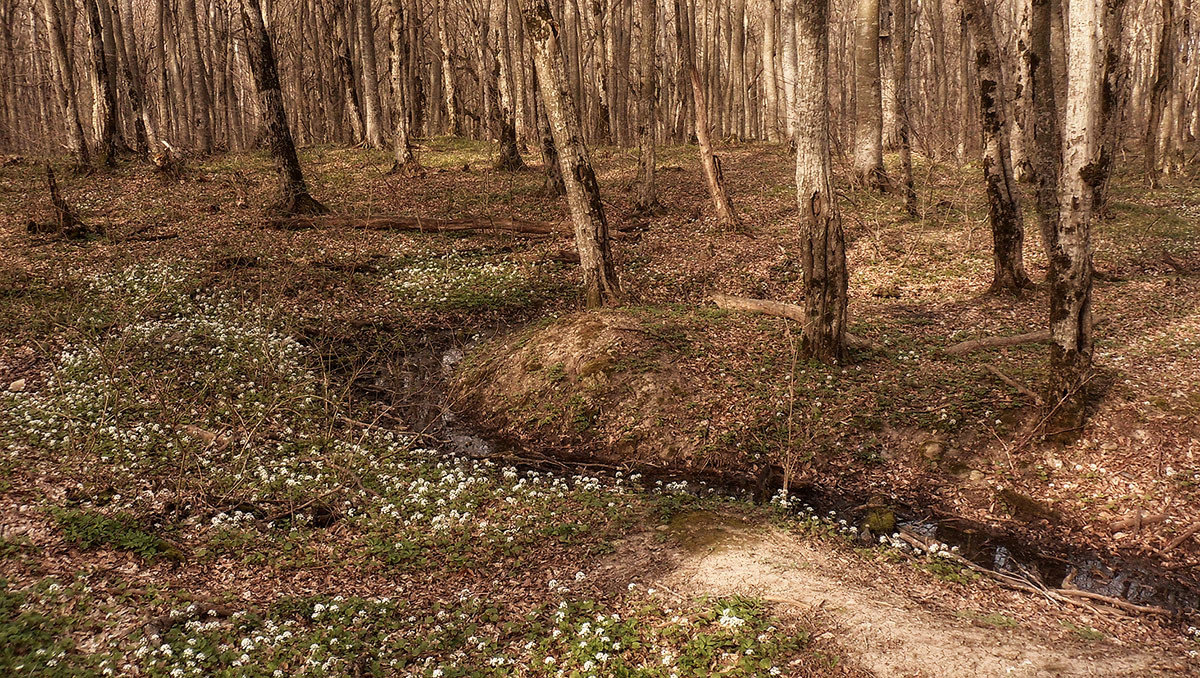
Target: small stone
[(17, 386), (976, 476), (1109, 447)]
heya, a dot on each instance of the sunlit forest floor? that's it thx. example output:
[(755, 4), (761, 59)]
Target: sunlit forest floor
[(235, 449)]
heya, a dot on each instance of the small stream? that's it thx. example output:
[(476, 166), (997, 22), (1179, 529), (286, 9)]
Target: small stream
[(421, 383)]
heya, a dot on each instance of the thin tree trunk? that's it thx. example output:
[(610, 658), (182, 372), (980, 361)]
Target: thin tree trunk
[(294, 196), (554, 185), (868, 136), (1164, 72), (583, 192), (64, 83), (902, 32), (1004, 207), (449, 90), (713, 178), (405, 161), (370, 74), (1114, 99), (823, 245), (647, 191), (787, 20), (1046, 140), (200, 89), (510, 155), (770, 73)]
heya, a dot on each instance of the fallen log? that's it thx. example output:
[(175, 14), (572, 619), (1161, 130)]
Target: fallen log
[(1037, 337), (780, 309), (1137, 521), (418, 224)]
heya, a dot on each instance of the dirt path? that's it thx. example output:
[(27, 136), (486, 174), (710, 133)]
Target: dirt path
[(888, 629)]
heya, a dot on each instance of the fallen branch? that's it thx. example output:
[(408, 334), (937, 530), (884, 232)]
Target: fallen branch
[(1021, 388), (1115, 602), (419, 224), (1037, 337), (780, 309), (1137, 521), (1184, 536)]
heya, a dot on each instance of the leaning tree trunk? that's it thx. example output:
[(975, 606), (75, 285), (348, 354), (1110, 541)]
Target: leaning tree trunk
[(868, 136), (1004, 207), (647, 191), (583, 192), (64, 85), (1070, 249), (713, 176), (823, 242), (103, 93), (405, 161), (294, 197)]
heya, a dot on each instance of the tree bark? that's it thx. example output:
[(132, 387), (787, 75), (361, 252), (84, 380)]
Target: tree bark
[(1164, 73), (583, 192), (1046, 142), (901, 41), (64, 82), (1004, 207), (449, 89), (823, 243), (770, 73), (203, 96), (509, 159), (370, 74), (868, 136), (647, 190), (106, 98), (405, 160), (294, 197), (1071, 247)]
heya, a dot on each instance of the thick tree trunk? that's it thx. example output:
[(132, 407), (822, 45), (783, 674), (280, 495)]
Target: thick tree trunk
[(647, 191), (370, 75), (105, 97), (1071, 247), (554, 185), (294, 197), (823, 242), (64, 82), (583, 192), (405, 161), (868, 135), (1004, 207)]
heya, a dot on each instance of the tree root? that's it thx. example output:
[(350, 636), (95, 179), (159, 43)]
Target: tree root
[(1021, 388), (1036, 337)]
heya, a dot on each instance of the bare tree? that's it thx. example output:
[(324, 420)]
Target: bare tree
[(102, 92), (902, 32), (824, 247), (647, 192), (294, 197), (868, 136), (370, 74), (405, 160), (64, 82), (583, 192), (1004, 206)]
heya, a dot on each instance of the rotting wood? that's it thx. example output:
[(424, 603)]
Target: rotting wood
[(1137, 521), (780, 309), (420, 224)]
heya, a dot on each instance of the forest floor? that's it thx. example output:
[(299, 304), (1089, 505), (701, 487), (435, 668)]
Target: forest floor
[(236, 449)]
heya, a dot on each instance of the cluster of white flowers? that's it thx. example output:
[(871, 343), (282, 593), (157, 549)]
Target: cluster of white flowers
[(455, 280)]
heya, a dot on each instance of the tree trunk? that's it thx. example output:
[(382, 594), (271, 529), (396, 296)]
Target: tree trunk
[(713, 177), (1071, 247), (901, 41), (1164, 72), (787, 20), (554, 185), (1004, 207), (105, 97), (145, 133), (345, 70), (824, 248), (510, 155), (770, 74), (1046, 141), (370, 74), (583, 192), (449, 91), (868, 136), (405, 161), (64, 83), (294, 196), (203, 119), (647, 192)]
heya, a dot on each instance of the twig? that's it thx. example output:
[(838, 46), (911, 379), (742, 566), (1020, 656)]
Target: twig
[(1192, 529), (1021, 388)]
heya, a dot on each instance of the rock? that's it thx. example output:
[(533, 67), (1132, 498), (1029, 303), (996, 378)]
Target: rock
[(17, 386), (933, 450), (1109, 447), (976, 476)]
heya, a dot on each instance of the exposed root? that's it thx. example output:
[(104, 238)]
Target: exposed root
[(782, 310)]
